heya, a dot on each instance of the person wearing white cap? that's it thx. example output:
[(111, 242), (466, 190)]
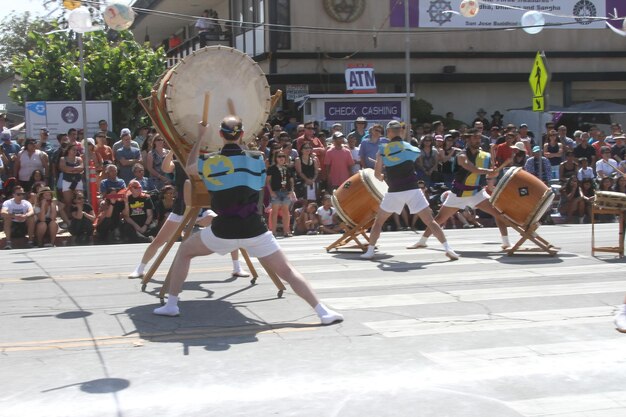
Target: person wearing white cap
[(468, 188), (398, 159), (120, 143), (360, 129)]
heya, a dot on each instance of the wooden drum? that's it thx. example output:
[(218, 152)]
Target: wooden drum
[(357, 200), (522, 197), (610, 200)]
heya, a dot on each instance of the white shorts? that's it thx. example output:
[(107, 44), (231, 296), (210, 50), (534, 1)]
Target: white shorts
[(394, 202), (65, 186), (258, 246), (462, 202), (176, 218)]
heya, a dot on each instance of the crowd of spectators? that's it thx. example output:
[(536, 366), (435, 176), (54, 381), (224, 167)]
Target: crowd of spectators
[(43, 186)]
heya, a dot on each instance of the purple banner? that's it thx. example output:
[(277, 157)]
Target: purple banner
[(620, 6), (372, 110), (396, 17)]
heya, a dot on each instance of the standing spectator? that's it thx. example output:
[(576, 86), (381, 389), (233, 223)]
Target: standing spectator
[(307, 169), (369, 148), (28, 160), (146, 148), (532, 166), (354, 150), (567, 142), (208, 29), (126, 157), (120, 143), (142, 135), (280, 182), (72, 136), (43, 144), (599, 143), (17, 214), (108, 134), (618, 150), (309, 136), (569, 167), (496, 119), (606, 166), (338, 162), (504, 151), (447, 157), (427, 161), (102, 149), (138, 215), (480, 117), (45, 217), (585, 171), (584, 150), (291, 153), (10, 150), (154, 161), (616, 129), (73, 168), (56, 175), (519, 154), (553, 150), (359, 132), (81, 220)]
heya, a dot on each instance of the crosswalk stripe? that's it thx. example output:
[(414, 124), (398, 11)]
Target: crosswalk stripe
[(452, 296), (484, 322), (557, 406)]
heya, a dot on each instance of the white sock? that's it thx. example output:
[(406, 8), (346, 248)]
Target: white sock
[(236, 265), (172, 300), (140, 268), (505, 241), (170, 308), (622, 308), (423, 240), (446, 245), (326, 315), (370, 249)]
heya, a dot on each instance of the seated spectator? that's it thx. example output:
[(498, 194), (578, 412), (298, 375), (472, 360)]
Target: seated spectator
[(572, 202), (108, 220), (81, 220), (45, 217), (37, 177), (620, 185), (329, 222), (111, 181), (606, 166), (18, 217), (568, 168), (585, 171), (588, 194), (138, 215), (307, 221), (532, 166), (146, 183)]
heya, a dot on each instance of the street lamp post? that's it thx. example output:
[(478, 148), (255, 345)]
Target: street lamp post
[(407, 69), (83, 100)]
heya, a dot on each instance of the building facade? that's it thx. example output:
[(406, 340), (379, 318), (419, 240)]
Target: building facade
[(457, 64)]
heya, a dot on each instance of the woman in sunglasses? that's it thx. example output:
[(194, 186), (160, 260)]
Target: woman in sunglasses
[(280, 182)]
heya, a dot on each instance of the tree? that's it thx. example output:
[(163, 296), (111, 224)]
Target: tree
[(14, 38), (117, 70)]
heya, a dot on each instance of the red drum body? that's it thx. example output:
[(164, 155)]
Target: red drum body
[(521, 197), (357, 200)]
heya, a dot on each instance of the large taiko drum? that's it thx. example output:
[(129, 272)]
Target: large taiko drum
[(522, 197), (357, 200), (610, 200), (228, 75)]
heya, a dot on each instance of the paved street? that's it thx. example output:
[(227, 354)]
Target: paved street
[(486, 336)]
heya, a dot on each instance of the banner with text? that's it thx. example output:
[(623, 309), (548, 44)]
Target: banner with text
[(564, 14), (372, 110)]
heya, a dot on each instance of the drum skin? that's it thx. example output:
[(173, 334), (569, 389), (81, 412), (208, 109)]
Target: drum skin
[(357, 200), (610, 200), (224, 73), (521, 197)]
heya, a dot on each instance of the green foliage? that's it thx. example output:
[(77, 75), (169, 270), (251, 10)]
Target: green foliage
[(118, 71), (14, 39)]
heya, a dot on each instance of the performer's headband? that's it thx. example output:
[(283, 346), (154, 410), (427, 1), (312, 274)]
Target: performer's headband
[(231, 129)]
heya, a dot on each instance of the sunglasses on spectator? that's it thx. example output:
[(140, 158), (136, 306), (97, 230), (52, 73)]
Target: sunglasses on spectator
[(309, 128), (20, 193), (378, 130)]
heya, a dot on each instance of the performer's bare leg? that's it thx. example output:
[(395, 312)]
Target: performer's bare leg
[(427, 217)]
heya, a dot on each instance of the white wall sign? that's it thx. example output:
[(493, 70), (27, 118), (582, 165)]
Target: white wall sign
[(295, 91), (60, 116)]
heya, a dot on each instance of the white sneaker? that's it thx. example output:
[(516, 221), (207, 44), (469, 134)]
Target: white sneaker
[(166, 310), (417, 245), (135, 274), (452, 255), (331, 317), (620, 320), (241, 274), (368, 255)]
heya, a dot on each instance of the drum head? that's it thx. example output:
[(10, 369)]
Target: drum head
[(376, 187), (224, 73)]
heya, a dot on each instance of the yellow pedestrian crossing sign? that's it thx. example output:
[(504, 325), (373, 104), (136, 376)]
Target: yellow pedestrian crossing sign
[(538, 104), (539, 76)]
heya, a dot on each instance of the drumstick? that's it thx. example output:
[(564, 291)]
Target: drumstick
[(231, 107), (274, 100), (616, 168), (205, 110)]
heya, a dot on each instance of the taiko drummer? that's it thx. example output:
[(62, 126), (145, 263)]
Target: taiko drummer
[(398, 158), (234, 177), (472, 171)]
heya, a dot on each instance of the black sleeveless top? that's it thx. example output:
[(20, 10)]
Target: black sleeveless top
[(308, 169), (555, 160), (180, 176), (72, 177)]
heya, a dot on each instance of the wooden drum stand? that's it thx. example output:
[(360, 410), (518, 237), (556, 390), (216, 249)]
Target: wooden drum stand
[(352, 234)]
